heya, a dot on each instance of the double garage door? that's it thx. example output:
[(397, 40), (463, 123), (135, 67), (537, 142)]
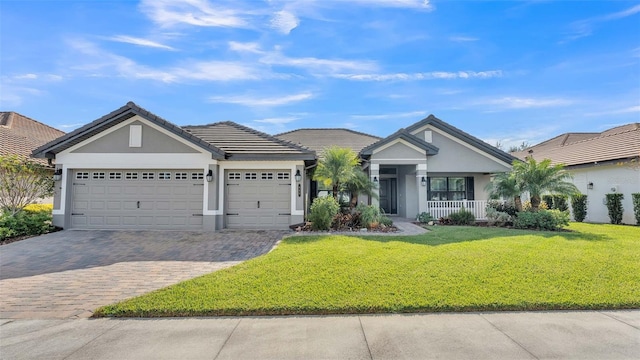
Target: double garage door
[(257, 199), (137, 199)]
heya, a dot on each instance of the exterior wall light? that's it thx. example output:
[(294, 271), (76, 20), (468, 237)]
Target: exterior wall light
[(590, 185), (423, 181), (57, 175), (298, 176), (210, 176), (375, 179)]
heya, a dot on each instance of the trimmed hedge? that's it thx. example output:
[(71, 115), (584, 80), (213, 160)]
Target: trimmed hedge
[(541, 220), (614, 205), (636, 206), (579, 206)]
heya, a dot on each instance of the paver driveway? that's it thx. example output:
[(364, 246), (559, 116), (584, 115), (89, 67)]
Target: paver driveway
[(69, 274)]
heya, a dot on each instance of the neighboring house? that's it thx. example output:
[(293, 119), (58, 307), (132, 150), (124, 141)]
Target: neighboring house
[(20, 135), (133, 169), (601, 163)]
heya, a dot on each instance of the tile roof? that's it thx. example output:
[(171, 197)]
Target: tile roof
[(622, 142), (20, 135), (242, 142), (404, 135), (320, 139)]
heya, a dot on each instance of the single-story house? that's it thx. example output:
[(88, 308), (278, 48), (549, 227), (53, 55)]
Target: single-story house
[(133, 169), (19, 135), (601, 163)]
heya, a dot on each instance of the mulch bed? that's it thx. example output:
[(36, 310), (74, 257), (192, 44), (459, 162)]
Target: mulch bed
[(23, 237)]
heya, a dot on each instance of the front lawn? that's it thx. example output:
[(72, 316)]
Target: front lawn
[(448, 269)]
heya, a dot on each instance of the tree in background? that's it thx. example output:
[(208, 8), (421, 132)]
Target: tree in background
[(22, 182)]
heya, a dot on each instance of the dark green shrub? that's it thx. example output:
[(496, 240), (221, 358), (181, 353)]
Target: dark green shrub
[(370, 215), (25, 223), (560, 203), (425, 217), (614, 205), (636, 206), (506, 207), (462, 217), (579, 207), (323, 210), (548, 199), (386, 221), (542, 220)]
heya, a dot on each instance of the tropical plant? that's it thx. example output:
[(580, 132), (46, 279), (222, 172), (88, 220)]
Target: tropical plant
[(462, 217), (359, 184), (537, 178), (579, 207), (505, 185), (541, 220), (636, 206), (425, 217), (614, 205), (336, 167), (22, 181), (560, 202)]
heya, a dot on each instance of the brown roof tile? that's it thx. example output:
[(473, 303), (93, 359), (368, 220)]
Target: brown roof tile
[(20, 135), (320, 139), (618, 143)]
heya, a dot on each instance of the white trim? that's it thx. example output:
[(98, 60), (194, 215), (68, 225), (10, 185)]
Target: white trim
[(417, 161), (399, 141), (464, 143), (421, 166), (135, 136), (374, 167), (134, 161), (126, 123)]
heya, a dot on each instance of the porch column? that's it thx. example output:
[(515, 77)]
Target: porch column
[(421, 172), (374, 175)]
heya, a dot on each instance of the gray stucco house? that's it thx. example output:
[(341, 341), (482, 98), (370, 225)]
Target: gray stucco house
[(133, 169)]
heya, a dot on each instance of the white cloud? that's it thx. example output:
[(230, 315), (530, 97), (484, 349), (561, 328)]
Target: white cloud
[(626, 110), (421, 76), (70, 126), (192, 12), (318, 65), (462, 38), (139, 41), (415, 4), (250, 47), (284, 21), (418, 113), (26, 77), (277, 120), (583, 28), (251, 101), (510, 102)]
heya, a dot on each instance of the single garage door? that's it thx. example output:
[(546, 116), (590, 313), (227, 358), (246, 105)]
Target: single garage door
[(137, 199), (258, 199)]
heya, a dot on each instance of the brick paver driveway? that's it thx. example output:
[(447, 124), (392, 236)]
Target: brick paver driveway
[(69, 274)]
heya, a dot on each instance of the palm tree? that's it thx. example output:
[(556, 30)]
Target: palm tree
[(505, 185), (336, 167), (360, 183), (537, 178)]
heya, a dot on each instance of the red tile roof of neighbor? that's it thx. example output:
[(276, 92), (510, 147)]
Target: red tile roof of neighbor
[(20, 135), (621, 142)]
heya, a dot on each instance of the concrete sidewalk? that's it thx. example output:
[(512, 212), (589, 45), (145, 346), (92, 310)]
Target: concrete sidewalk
[(503, 335)]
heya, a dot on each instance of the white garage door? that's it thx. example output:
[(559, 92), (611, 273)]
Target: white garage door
[(137, 199), (258, 199)]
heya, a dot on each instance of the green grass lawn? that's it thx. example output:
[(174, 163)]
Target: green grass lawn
[(447, 269)]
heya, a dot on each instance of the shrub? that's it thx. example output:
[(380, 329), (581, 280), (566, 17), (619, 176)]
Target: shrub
[(507, 207), (323, 210), (39, 207), (636, 206), (462, 217), (24, 223), (579, 207), (370, 215), (386, 221), (542, 220), (527, 206), (498, 218), (614, 205), (425, 217), (547, 199)]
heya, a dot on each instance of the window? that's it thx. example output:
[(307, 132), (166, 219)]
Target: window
[(98, 176), (450, 188), (148, 176), (115, 175), (250, 176), (266, 176), (197, 176), (283, 176), (131, 176), (234, 176), (181, 176), (82, 176), (164, 176)]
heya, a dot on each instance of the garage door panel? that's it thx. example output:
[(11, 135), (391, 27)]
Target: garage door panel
[(137, 199)]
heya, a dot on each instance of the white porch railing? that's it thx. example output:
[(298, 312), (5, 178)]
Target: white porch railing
[(439, 209)]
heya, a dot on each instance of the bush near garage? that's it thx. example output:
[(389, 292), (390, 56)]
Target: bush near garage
[(33, 220)]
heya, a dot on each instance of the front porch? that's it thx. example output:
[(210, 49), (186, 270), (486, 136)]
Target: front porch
[(439, 209)]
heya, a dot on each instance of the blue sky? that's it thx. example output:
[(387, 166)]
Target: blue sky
[(502, 71)]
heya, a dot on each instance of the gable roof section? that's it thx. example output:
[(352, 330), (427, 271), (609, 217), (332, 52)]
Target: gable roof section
[(619, 143), (20, 135), (463, 136), (115, 117), (243, 143), (320, 139), (403, 135)]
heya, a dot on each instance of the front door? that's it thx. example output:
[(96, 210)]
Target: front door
[(388, 195)]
